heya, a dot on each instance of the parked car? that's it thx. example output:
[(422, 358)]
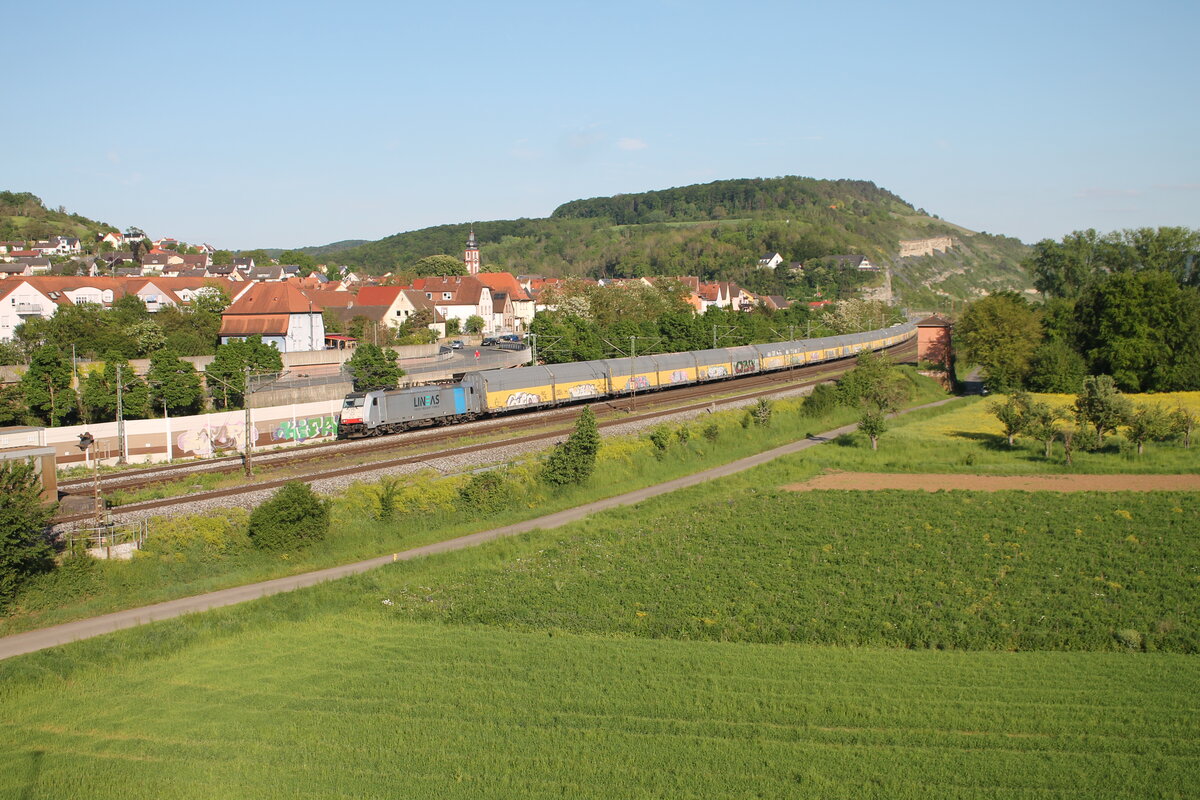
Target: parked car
[(457, 344), (490, 341), (510, 337)]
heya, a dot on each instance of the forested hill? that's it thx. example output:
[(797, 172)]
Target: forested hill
[(723, 199), (24, 217), (719, 230)]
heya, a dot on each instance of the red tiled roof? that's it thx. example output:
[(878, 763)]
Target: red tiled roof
[(273, 297), (378, 295), (503, 282), (258, 324)]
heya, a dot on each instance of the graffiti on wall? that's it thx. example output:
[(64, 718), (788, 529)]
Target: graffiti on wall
[(301, 429), (745, 367), (583, 390), (206, 440)]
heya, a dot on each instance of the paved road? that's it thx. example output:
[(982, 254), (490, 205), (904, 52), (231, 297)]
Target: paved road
[(31, 641)]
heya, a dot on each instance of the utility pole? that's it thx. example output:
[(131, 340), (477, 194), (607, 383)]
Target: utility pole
[(632, 369), (248, 435), (121, 459), (533, 349)]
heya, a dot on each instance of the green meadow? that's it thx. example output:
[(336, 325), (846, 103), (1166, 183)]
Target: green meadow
[(725, 641)]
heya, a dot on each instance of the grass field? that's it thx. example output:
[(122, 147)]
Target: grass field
[(341, 706), (730, 640), (966, 437)]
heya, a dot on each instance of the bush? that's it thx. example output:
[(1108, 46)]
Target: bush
[(486, 493), (660, 437), (821, 402), (711, 431), (204, 538), (574, 460), (293, 517), (761, 412), (24, 547)]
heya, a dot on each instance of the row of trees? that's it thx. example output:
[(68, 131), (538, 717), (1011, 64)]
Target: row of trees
[(46, 394), (1099, 410), (591, 322), (1126, 305), (127, 328)]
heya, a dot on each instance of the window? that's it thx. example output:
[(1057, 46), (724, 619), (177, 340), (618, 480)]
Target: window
[(447, 295)]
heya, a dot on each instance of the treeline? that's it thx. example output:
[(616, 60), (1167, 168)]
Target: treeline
[(592, 322), (721, 199), (127, 328), (1125, 304), (53, 392)]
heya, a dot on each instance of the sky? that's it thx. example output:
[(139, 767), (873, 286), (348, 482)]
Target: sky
[(265, 124)]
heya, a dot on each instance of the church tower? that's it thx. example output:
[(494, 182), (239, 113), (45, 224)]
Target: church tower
[(471, 256)]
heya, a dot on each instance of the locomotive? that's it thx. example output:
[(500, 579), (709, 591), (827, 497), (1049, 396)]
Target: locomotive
[(499, 391)]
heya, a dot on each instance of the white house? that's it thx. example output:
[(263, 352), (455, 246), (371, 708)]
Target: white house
[(458, 297), (280, 313), (21, 301)]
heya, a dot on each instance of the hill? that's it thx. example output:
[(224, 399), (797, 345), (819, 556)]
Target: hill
[(23, 216), (318, 250), (719, 230)]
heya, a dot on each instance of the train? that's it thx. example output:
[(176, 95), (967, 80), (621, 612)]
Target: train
[(500, 391)]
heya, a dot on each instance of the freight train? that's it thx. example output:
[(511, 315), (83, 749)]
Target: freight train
[(499, 391)]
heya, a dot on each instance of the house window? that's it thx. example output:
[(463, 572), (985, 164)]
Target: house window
[(429, 295), (446, 295)]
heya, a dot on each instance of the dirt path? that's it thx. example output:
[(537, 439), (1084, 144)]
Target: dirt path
[(995, 483)]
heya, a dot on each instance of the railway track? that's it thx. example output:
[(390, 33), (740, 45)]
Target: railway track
[(635, 409)]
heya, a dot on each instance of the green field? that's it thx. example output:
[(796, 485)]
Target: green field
[(347, 705), (675, 649)]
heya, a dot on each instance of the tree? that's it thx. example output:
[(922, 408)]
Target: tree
[(374, 368), (47, 385), (1101, 405), (1000, 333), (222, 258), (1185, 420), (1130, 327), (292, 518), (474, 324), (453, 325), (1013, 414), (1056, 368), (24, 547), (174, 382), (1041, 422), (574, 460), (225, 376), (439, 265), (148, 336), (877, 389), (100, 392), (1148, 423), (13, 409)]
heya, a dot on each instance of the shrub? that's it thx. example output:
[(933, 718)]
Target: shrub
[(711, 431), (1129, 638), (24, 548), (206, 538), (821, 402), (683, 434), (485, 492), (761, 413), (386, 495), (293, 517), (660, 437), (574, 460)]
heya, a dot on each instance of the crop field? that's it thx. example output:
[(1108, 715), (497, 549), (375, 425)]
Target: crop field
[(343, 706), (675, 649)]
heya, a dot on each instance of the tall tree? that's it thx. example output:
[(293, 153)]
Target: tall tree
[(225, 376), (174, 382), (47, 385), (102, 388), (374, 368), (1000, 334), (24, 546), (876, 389)]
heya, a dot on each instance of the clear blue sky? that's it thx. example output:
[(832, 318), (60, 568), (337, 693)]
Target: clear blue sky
[(264, 124)]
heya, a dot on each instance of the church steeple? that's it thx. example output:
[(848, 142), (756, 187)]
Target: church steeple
[(471, 256)]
